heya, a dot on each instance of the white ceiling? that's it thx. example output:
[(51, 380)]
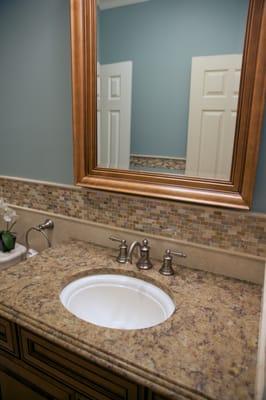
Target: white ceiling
[(105, 4)]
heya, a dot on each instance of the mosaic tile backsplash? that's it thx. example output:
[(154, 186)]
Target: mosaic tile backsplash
[(153, 161), (216, 227)]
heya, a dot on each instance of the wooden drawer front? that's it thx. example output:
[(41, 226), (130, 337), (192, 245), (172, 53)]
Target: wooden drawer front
[(8, 338), (90, 380)]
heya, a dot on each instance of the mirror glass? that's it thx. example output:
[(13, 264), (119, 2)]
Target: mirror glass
[(168, 75)]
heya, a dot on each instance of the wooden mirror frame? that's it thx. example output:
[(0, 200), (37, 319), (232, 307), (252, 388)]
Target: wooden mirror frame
[(236, 193)]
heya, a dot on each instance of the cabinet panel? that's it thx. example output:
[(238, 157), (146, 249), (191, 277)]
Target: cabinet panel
[(11, 389), (92, 381), (8, 338), (80, 397), (45, 371), (16, 383)]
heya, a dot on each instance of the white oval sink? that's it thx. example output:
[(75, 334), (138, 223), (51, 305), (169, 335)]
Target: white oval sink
[(117, 301)]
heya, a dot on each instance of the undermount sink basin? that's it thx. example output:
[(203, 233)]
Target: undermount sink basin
[(117, 301)]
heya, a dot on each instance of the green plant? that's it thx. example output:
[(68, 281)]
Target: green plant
[(9, 217)]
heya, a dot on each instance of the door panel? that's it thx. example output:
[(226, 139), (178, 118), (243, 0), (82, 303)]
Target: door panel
[(212, 115), (114, 88)]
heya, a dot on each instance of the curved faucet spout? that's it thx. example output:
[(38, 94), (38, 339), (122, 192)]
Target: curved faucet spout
[(131, 249), (144, 261)]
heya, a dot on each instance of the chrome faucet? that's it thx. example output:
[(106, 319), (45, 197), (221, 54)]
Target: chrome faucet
[(144, 261)]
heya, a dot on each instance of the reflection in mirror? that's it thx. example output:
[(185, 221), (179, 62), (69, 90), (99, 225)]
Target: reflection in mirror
[(168, 74)]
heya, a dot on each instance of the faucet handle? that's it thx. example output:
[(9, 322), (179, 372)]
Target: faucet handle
[(123, 249), (175, 253), (116, 239), (167, 268)]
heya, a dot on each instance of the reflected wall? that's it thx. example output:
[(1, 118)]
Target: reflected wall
[(161, 38)]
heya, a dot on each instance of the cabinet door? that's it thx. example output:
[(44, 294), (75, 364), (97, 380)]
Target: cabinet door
[(19, 386), (91, 380), (12, 389), (8, 338), (81, 397)]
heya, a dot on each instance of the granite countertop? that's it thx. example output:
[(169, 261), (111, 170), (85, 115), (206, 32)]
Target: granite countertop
[(206, 349)]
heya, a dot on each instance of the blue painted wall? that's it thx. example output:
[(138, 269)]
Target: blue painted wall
[(161, 37), (35, 90), (35, 94), (259, 203)]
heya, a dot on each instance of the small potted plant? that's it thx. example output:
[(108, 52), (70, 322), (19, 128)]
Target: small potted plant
[(7, 237)]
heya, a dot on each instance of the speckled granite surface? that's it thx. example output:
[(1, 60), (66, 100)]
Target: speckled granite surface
[(207, 349)]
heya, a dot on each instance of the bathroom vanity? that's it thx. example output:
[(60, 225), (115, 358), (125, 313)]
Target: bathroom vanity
[(208, 347), (206, 350)]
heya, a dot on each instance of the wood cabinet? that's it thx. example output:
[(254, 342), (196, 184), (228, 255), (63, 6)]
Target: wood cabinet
[(11, 387), (8, 339), (32, 368), (16, 385)]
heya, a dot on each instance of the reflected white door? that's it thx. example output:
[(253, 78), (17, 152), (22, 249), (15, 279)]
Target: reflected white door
[(114, 93), (212, 115)]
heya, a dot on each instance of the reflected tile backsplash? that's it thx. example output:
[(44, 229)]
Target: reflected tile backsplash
[(239, 231)]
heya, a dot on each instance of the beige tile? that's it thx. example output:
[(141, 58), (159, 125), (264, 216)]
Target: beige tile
[(238, 231)]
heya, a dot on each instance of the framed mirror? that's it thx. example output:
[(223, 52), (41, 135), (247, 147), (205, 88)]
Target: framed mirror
[(168, 97)]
